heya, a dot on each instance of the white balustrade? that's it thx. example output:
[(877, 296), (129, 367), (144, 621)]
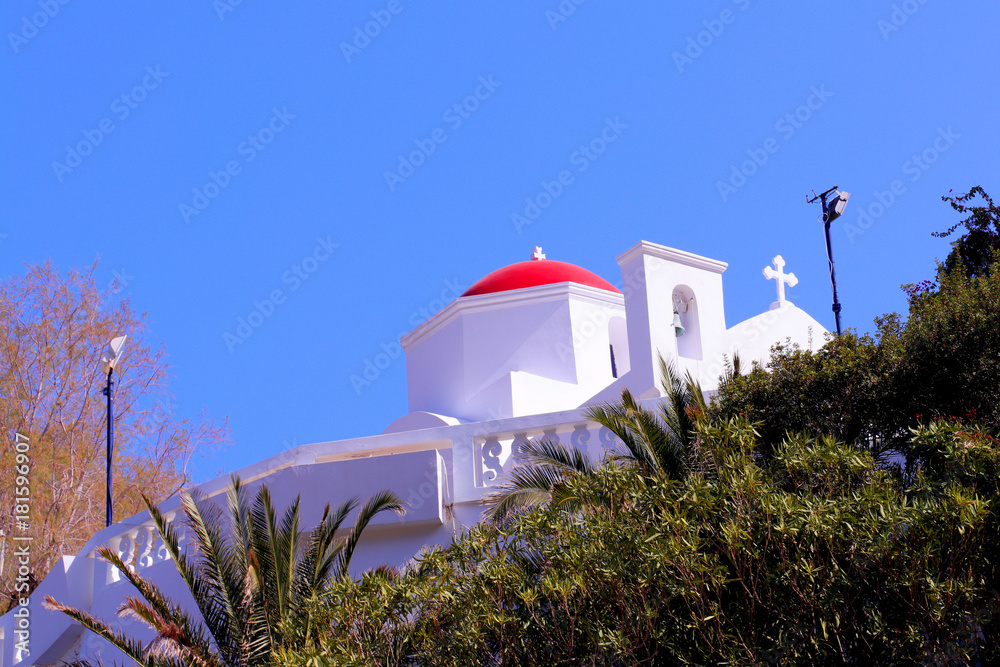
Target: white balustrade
[(139, 547), (497, 453)]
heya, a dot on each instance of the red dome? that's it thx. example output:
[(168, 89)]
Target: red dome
[(537, 272)]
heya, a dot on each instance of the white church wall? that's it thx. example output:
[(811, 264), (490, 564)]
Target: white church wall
[(71, 579), (417, 421), (753, 338), (655, 273), (339, 480), (507, 339), (618, 338), (435, 370), (486, 375), (590, 333), (479, 358)]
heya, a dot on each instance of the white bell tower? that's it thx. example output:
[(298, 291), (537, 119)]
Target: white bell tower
[(665, 287)]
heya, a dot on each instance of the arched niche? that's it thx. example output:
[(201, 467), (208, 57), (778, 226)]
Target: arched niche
[(686, 306)]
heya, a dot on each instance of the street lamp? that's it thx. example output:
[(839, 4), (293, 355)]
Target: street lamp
[(112, 353), (832, 210)]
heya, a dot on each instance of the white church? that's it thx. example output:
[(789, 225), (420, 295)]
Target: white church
[(517, 357)]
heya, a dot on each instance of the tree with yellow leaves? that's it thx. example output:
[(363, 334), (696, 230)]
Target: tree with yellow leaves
[(53, 329)]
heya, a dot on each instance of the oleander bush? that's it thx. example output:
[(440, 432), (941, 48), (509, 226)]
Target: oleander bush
[(836, 507), (816, 556)]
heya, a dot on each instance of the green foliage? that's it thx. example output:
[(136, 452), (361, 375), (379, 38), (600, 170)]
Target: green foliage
[(951, 342), (254, 582), (869, 391), (847, 389), (816, 557), (653, 444), (974, 252)]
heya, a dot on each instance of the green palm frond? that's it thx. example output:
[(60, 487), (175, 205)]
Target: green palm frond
[(318, 565), (383, 501), (526, 486), (171, 540), (160, 608), (175, 638), (682, 393), (274, 544), (733, 367), (557, 455), (540, 480), (256, 636), (221, 582), (133, 648), (285, 558), (619, 419), (250, 578), (239, 521)]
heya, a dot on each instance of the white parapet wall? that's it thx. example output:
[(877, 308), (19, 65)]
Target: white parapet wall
[(515, 361), (442, 474)]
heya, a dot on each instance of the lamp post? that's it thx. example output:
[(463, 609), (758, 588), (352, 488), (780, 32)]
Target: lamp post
[(109, 359), (831, 211)]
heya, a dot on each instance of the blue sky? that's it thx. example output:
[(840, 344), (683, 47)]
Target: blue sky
[(216, 155)]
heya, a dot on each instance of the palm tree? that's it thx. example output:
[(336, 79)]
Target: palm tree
[(660, 443), (251, 580)]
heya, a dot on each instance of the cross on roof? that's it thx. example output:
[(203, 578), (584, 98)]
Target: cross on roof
[(537, 253), (782, 278)]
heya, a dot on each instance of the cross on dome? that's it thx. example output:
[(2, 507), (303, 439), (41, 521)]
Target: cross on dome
[(782, 278), (537, 253)]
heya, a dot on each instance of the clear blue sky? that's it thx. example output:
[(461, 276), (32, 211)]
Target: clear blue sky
[(115, 114)]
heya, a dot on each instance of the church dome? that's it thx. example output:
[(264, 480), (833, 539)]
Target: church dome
[(537, 271)]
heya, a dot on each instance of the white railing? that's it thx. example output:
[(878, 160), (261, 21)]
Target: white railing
[(497, 453), (480, 455), (486, 457), (140, 546)]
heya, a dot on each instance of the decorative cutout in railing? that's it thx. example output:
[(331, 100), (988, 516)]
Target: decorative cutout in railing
[(499, 452), (140, 547)]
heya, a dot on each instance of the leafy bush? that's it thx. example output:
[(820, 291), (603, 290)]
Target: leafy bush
[(816, 557), (868, 391)]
